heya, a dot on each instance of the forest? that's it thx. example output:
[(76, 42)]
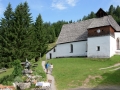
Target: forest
[(21, 38)]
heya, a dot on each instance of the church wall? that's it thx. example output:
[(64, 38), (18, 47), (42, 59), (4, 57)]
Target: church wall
[(99, 47), (112, 46), (117, 35), (79, 49), (53, 53)]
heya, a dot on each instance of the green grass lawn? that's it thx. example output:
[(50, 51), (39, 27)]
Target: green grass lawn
[(73, 72), (8, 72)]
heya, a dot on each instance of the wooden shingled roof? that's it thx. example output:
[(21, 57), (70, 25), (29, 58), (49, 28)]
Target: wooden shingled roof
[(79, 31)]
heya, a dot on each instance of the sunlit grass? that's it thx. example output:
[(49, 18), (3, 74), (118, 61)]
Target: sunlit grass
[(8, 72), (72, 72)]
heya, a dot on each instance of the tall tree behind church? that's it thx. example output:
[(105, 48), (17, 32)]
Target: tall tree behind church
[(57, 26), (40, 37)]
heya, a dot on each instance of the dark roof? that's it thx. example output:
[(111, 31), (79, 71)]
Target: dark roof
[(101, 13), (78, 31)]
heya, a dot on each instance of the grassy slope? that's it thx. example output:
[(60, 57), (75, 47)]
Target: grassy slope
[(8, 72), (51, 45), (38, 70), (72, 72)]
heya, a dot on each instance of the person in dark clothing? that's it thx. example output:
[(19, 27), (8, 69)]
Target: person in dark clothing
[(46, 67)]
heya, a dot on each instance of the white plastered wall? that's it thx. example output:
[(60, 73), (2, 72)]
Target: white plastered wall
[(53, 54), (103, 42), (117, 35), (79, 49)]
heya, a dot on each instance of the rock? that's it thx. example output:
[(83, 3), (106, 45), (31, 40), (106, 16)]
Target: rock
[(23, 86), (26, 71)]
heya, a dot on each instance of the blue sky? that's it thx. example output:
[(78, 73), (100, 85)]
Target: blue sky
[(54, 10)]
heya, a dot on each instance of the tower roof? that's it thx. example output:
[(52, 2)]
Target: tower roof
[(101, 13)]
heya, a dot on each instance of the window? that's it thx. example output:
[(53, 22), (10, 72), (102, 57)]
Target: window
[(86, 47), (118, 43), (98, 48), (54, 50), (71, 48)]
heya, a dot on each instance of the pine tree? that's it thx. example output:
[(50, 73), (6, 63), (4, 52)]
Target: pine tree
[(6, 37), (111, 10), (40, 36), (22, 23), (58, 25), (51, 34)]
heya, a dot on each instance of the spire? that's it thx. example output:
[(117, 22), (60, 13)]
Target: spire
[(101, 13)]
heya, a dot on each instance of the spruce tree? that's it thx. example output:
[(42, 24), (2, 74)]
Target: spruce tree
[(6, 37), (22, 23), (40, 37)]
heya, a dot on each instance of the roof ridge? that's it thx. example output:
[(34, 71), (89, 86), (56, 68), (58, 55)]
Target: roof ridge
[(91, 22), (109, 20), (112, 24)]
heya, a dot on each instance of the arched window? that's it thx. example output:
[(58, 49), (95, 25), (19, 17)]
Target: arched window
[(50, 56), (118, 43), (71, 48), (54, 50), (86, 47)]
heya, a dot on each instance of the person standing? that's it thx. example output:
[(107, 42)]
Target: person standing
[(51, 67), (47, 66)]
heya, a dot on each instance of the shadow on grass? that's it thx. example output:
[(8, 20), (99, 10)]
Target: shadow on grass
[(111, 81)]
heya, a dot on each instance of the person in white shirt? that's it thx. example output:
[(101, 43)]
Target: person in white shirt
[(51, 67)]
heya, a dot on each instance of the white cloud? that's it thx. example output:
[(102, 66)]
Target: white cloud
[(63, 4), (71, 2), (59, 5)]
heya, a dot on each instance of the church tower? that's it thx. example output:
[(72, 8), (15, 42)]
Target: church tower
[(100, 36)]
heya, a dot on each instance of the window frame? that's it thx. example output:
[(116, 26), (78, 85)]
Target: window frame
[(98, 48), (71, 48)]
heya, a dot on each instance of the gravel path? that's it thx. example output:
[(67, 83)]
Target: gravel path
[(49, 77)]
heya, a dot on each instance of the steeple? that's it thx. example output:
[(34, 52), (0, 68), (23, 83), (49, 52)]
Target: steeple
[(101, 13)]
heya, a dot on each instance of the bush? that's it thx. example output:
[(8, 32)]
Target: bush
[(17, 68), (7, 80)]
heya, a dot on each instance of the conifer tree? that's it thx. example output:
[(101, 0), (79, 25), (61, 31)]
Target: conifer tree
[(40, 37), (111, 10), (6, 36), (22, 23)]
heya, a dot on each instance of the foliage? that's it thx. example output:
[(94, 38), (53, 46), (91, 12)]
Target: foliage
[(18, 79), (58, 25), (40, 37), (7, 80), (17, 68), (6, 37)]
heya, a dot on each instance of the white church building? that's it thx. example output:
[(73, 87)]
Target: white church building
[(96, 38)]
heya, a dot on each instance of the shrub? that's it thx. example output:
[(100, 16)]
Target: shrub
[(17, 68)]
